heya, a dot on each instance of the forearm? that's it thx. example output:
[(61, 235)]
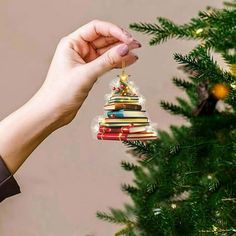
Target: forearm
[(23, 130), (80, 58)]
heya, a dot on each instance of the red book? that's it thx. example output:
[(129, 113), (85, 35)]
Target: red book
[(125, 137), (124, 129), (112, 136)]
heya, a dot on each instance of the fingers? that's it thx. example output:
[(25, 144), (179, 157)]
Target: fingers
[(110, 59), (129, 60), (97, 28), (134, 44), (104, 41)]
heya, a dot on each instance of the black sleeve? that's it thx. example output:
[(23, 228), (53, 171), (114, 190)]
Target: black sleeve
[(8, 184)]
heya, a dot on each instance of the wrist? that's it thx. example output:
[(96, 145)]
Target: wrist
[(45, 111), (24, 130), (57, 112)]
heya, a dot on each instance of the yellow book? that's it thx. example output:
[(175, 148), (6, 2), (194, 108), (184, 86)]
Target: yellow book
[(123, 124)]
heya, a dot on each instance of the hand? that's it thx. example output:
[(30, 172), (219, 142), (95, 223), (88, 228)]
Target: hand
[(80, 58)]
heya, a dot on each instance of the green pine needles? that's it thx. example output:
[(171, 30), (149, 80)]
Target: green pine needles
[(185, 181)]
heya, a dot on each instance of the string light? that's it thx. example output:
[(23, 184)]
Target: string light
[(199, 31), (209, 176), (217, 230)]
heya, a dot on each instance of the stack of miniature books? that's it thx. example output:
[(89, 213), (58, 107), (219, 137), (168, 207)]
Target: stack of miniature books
[(124, 118)]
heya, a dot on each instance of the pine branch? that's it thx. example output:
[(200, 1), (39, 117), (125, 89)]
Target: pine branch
[(178, 132), (185, 105), (174, 109), (189, 87), (166, 31), (204, 68), (146, 28), (116, 216), (204, 65), (183, 83), (174, 149), (215, 27), (151, 188), (107, 217), (129, 166), (231, 98), (127, 231), (139, 147), (130, 190), (229, 59)]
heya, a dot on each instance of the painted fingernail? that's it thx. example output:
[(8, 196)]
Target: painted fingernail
[(137, 43), (123, 50), (126, 33)]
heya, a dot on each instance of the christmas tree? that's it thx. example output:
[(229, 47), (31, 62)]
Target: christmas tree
[(185, 182), (124, 117)]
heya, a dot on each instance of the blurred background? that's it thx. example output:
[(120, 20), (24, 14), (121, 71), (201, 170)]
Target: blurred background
[(71, 175)]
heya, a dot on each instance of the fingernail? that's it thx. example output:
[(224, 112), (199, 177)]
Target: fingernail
[(136, 57), (137, 43), (126, 33), (123, 50)]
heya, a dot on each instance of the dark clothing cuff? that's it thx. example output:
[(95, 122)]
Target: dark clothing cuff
[(8, 184)]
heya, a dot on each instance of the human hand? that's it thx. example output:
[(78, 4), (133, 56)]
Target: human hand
[(80, 58)]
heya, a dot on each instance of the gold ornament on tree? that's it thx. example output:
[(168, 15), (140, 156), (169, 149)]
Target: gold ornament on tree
[(220, 91)]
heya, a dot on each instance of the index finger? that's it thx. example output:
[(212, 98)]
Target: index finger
[(96, 28)]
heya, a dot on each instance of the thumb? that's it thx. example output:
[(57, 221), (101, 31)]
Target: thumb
[(108, 60)]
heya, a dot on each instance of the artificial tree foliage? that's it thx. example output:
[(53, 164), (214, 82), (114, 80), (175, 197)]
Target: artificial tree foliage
[(185, 181)]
